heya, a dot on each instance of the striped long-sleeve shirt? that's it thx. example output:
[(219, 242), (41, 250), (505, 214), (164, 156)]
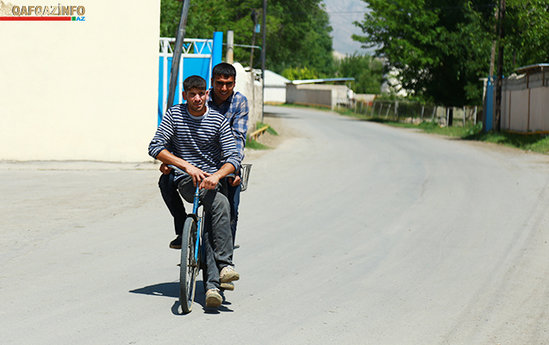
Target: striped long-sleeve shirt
[(236, 110), (206, 142)]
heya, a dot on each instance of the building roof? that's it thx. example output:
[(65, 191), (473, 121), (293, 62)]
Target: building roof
[(313, 81), (540, 67), (274, 79)]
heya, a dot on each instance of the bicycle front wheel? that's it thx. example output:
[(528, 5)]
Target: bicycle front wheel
[(189, 265)]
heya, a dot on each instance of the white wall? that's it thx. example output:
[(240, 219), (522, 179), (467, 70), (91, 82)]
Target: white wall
[(254, 95), (80, 90), (317, 94)]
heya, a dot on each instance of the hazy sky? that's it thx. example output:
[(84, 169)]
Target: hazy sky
[(342, 15)]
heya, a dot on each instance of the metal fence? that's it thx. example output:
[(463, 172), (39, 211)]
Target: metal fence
[(416, 112)]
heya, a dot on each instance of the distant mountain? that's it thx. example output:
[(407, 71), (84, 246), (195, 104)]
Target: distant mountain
[(342, 15)]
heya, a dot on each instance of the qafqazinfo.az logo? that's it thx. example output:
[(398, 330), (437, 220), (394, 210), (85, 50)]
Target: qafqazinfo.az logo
[(60, 12)]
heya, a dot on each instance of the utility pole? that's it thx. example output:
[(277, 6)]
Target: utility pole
[(177, 51), (499, 81), (263, 52), (252, 77), (494, 44), (254, 20)]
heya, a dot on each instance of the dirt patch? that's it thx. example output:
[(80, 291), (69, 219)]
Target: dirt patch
[(270, 140)]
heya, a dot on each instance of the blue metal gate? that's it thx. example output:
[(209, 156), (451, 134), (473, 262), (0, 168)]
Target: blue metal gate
[(197, 58)]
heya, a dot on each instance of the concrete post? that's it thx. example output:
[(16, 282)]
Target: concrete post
[(229, 55)]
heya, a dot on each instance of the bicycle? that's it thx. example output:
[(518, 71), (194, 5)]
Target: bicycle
[(191, 245), (190, 254)]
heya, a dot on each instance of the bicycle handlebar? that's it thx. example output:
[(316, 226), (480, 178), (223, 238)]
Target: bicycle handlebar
[(181, 171), (244, 174)]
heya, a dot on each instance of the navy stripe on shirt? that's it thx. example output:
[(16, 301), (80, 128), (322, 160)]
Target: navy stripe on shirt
[(205, 142)]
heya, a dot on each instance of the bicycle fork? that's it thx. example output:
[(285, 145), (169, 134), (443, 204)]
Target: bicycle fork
[(199, 221)]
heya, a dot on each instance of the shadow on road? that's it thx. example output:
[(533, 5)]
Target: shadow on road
[(172, 290), (162, 289), (280, 115)]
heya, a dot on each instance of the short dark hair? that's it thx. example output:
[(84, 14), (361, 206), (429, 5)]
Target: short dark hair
[(194, 82), (224, 69)]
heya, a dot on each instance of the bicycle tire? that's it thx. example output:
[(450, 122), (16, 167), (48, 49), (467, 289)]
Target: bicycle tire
[(188, 270)]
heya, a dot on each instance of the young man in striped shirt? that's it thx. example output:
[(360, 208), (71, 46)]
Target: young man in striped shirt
[(199, 141), (234, 106)]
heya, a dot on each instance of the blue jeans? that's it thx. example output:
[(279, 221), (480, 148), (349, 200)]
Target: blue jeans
[(233, 194)]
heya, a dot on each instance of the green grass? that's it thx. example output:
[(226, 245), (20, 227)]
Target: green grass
[(252, 144), (269, 130), (529, 142), (256, 145)]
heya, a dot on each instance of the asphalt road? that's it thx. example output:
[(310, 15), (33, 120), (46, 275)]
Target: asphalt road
[(351, 233)]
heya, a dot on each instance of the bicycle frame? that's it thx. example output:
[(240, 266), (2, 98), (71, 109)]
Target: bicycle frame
[(196, 205)]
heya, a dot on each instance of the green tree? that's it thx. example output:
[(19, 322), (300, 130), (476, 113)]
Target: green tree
[(437, 46), (299, 36), (299, 73), (367, 71), (298, 33), (526, 32), (441, 48)]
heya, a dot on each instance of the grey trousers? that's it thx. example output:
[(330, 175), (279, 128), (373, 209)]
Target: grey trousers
[(217, 241)]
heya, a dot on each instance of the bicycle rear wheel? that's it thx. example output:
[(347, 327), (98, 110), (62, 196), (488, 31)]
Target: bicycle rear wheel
[(188, 271)]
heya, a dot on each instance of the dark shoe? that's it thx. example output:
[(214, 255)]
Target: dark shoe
[(213, 298), (176, 244)]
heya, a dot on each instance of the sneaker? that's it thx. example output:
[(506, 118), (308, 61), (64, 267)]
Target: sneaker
[(176, 244), (227, 286), (228, 274), (213, 298)]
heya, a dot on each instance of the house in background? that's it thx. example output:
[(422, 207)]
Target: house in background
[(318, 92), (275, 88)]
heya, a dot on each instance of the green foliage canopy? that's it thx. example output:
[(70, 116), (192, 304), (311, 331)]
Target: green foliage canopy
[(526, 33), (298, 33), (367, 71), (441, 48), (435, 45), (299, 73)]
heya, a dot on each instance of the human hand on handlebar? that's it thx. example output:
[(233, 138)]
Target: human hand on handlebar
[(165, 169), (210, 182), (197, 175), (234, 181)]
